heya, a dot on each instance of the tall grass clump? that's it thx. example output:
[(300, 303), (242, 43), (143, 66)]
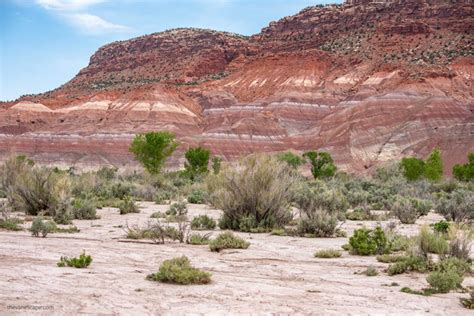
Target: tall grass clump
[(252, 192)]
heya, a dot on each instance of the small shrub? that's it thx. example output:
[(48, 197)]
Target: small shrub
[(178, 209), (203, 222), (441, 227), (460, 241), (468, 302), (371, 271), (84, 209), (11, 223), (456, 206), (411, 263), (322, 164), (328, 253), (216, 164), (180, 271), (41, 226), (366, 242), (128, 205), (158, 214), (386, 258), (430, 242), (63, 213), (404, 210), (227, 240), (291, 159), (424, 292), (162, 197), (156, 232), (82, 262), (321, 224), (444, 281), (197, 197), (198, 239)]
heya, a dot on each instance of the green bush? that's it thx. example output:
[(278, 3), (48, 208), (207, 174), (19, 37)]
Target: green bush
[(197, 197), (203, 222), (216, 164), (387, 258), (178, 209), (128, 205), (371, 271), (156, 232), (227, 240), (179, 271), (158, 214), (465, 172), (152, 149), (82, 262), (434, 166), (468, 302), (413, 168), (257, 186), (11, 223), (198, 239), (366, 242), (291, 159), (444, 281), (41, 226), (441, 227), (410, 263), (328, 253), (161, 197), (430, 242), (84, 209)]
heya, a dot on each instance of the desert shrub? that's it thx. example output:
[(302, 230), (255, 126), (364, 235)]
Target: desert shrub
[(155, 231), (465, 172), (216, 164), (457, 205), (322, 165), (63, 213), (441, 227), (82, 262), (12, 170), (371, 271), (328, 253), (152, 149), (361, 214), (468, 302), (84, 209), (198, 239), (178, 209), (38, 190), (197, 160), (430, 242), (121, 189), (179, 271), (203, 222), (413, 168), (258, 186), (367, 242), (41, 226), (443, 282), (460, 241), (107, 173), (320, 224), (387, 258), (460, 266), (161, 197), (317, 195), (158, 214), (128, 205), (6, 221), (291, 159), (227, 240), (424, 292), (197, 197), (410, 263), (408, 210)]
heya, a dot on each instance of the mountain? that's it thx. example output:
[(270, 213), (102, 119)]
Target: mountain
[(368, 81)]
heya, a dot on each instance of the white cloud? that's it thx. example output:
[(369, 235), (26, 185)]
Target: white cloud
[(93, 24), (74, 12), (67, 5)]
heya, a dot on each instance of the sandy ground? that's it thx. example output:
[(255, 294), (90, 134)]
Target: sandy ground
[(275, 275)]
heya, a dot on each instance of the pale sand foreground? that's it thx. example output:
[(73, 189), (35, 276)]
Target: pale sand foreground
[(274, 275)]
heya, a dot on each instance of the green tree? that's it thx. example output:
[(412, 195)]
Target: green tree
[(413, 168), (291, 159), (152, 149), (197, 161), (322, 165), (434, 166), (465, 172)]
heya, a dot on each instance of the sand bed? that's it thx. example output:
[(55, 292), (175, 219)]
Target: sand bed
[(274, 275)]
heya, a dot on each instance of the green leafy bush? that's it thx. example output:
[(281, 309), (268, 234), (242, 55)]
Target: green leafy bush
[(410, 263), (366, 242), (82, 262), (216, 164), (322, 165), (258, 186), (84, 209), (11, 223), (128, 205), (465, 172), (434, 166), (197, 161), (179, 271), (152, 149), (441, 227), (227, 240), (197, 197), (387, 258), (203, 222), (328, 253), (291, 159), (430, 242), (413, 168), (444, 281), (198, 239), (41, 226)]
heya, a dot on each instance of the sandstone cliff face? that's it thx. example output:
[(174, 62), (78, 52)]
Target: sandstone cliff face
[(369, 81)]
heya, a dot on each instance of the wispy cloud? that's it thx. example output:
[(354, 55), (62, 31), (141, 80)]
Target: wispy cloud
[(75, 13)]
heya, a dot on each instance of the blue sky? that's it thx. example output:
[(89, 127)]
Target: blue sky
[(44, 43)]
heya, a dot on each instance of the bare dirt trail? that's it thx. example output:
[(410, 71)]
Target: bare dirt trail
[(275, 275)]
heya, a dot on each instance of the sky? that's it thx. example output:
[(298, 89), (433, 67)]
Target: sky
[(44, 43)]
